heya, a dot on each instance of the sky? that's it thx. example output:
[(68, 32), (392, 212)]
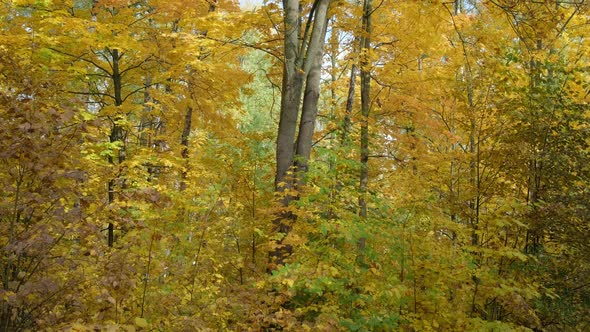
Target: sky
[(245, 4)]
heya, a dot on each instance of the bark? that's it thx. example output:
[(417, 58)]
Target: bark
[(117, 135), (312, 93), (188, 116), (351, 89), (290, 95), (302, 67), (332, 160), (535, 165), (473, 163), (365, 112), (349, 103)]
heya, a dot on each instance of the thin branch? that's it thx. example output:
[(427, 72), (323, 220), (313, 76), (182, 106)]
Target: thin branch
[(137, 65), (239, 42), (80, 57), (566, 23), (101, 54), (324, 136), (376, 7), (274, 25), (137, 90), (89, 93), (307, 27)]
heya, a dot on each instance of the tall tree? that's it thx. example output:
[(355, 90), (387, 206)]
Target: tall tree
[(302, 66), (365, 65)]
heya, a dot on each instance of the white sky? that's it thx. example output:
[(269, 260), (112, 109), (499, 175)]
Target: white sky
[(245, 4)]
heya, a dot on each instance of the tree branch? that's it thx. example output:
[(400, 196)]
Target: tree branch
[(80, 57)]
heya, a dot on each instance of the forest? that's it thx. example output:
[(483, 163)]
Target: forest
[(294, 165)]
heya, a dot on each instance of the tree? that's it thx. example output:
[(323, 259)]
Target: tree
[(302, 65), (42, 200)]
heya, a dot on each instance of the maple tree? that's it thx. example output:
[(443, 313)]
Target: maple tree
[(296, 165)]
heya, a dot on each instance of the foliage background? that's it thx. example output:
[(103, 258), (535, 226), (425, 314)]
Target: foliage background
[(158, 120)]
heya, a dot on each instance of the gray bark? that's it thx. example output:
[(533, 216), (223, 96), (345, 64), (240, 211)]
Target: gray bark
[(312, 93), (349, 103), (302, 60), (303, 56), (291, 94)]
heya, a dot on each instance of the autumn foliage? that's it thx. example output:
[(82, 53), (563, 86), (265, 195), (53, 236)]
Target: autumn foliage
[(300, 165)]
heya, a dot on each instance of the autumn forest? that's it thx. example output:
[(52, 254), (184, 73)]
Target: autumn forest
[(294, 165)]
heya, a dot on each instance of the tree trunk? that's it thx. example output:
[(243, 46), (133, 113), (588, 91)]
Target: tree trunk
[(117, 134), (290, 95), (533, 234), (302, 59), (312, 94), (349, 104), (365, 111)]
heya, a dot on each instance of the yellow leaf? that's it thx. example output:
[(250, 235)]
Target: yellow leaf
[(141, 322), (129, 328)]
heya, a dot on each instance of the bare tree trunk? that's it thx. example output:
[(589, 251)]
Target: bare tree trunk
[(186, 131), (365, 111), (116, 136), (290, 95), (351, 87), (533, 234), (312, 94), (349, 103), (302, 59)]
